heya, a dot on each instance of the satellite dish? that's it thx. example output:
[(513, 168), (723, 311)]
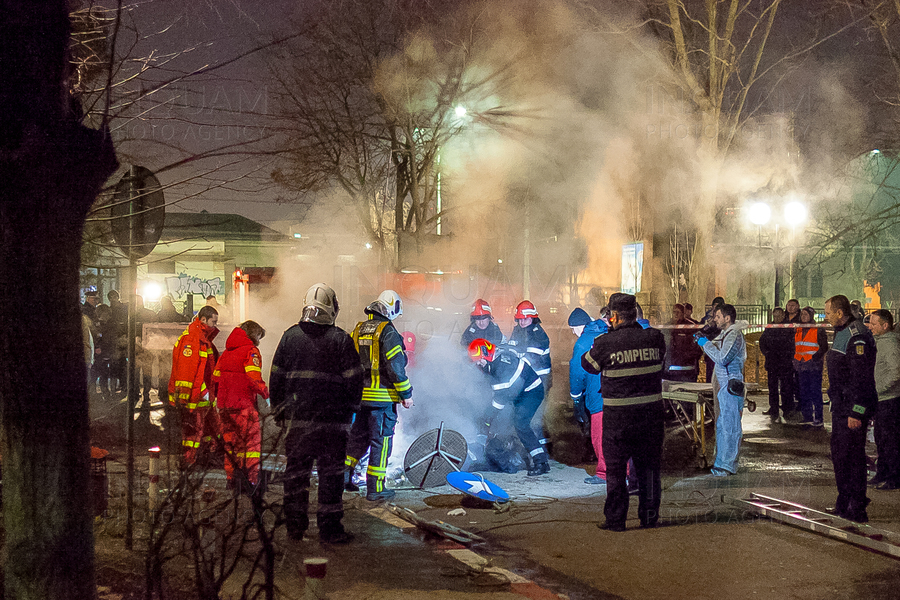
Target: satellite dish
[(474, 484), (433, 456), (139, 212)]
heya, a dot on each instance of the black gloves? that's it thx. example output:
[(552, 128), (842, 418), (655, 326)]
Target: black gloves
[(581, 413)]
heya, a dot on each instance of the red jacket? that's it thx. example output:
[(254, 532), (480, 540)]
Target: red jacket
[(238, 373), (193, 361)]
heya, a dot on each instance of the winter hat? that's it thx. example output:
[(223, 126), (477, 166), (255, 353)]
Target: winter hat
[(579, 317)]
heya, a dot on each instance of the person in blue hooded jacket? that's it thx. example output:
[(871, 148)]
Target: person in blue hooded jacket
[(584, 388)]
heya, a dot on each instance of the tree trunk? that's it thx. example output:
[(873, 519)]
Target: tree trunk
[(51, 169)]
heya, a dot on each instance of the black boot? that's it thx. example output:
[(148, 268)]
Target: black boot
[(539, 466)]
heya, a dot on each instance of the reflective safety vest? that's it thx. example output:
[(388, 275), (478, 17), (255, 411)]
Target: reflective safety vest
[(806, 343), (383, 361)]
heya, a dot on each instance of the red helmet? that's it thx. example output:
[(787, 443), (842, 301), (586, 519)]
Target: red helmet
[(481, 308), (481, 348), (525, 309)]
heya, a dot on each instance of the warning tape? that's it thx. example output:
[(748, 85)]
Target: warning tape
[(767, 326)]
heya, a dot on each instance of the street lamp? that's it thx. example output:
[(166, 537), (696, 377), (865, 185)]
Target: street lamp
[(760, 213)]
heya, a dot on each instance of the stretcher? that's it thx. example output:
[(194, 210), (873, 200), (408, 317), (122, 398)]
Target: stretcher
[(678, 393)]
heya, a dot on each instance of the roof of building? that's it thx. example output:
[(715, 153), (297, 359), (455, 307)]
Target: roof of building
[(217, 227)]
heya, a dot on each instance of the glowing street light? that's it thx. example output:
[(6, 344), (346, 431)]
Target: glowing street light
[(460, 111), (759, 213), (795, 213), (152, 291)]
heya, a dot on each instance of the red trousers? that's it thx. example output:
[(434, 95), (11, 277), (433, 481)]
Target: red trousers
[(597, 442), (243, 439), (200, 432)]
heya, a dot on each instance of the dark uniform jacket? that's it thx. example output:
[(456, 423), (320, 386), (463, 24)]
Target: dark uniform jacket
[(630, 362), (316, 375), (512, 376), (533, 344), (777, 345), (491, 333), (851, 371), (383, 357)]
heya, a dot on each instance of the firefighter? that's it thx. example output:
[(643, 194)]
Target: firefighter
[(529, 340), (516, 383), (383, 358), (630, 361), (316, 388), (482, 326), (238, 380), (190, 385)]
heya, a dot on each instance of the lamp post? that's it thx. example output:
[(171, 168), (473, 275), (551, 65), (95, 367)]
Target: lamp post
[(795, 213)]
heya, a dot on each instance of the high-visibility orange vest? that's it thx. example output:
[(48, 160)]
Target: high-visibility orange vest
[(806, 343)]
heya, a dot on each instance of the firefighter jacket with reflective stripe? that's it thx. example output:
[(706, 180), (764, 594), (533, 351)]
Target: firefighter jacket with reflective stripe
[(851, 371), (490, 333), (316, 375), (630, 361), (533, 345), (383, 358), (193, 362), (238, 374), (511, 376), (810, 346)]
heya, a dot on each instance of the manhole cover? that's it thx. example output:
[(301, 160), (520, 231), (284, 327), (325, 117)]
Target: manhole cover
[(765, 440)]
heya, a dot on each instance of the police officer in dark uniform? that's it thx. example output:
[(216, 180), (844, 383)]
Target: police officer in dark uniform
[(316, 386), (630, 360), (851, 389), (386, 385), (513, 382)]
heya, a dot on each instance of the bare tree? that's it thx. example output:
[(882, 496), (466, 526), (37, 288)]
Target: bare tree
[(53, 167), (370, 96)]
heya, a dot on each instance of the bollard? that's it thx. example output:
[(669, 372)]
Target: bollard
[(315, 574), (153, 489)]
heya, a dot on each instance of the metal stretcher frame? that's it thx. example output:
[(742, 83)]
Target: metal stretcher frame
[(700, 395)]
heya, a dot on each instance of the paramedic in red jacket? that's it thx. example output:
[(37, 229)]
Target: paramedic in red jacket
[(238, 380), (190, 386)]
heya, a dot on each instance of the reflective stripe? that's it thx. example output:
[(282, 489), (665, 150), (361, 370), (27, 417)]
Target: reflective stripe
[(351, 462), (508, 384), (393, 352), (630, 401), (352, 372), (203, 353), (184, 384), (216, 373), (538, 351), (497, 406), (680, 368), (536, 383), (543, 371), (587, 356), (380, 395), (403, 386), (314, 375), (536, 451), (251, 368), (632, 372), (190, 444), (574, 397)]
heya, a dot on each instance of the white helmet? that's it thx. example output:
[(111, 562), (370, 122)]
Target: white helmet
[(388, 304), (320, 305)]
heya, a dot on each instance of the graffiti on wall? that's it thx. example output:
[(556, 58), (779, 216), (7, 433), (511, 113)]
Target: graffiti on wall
[(182, 285)]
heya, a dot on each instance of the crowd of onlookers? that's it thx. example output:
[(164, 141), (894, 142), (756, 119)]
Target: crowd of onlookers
[(105, 332)]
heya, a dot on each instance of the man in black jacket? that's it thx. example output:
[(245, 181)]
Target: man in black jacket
[(630, 361), (777, 345), (851, 388), (316, 387)]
